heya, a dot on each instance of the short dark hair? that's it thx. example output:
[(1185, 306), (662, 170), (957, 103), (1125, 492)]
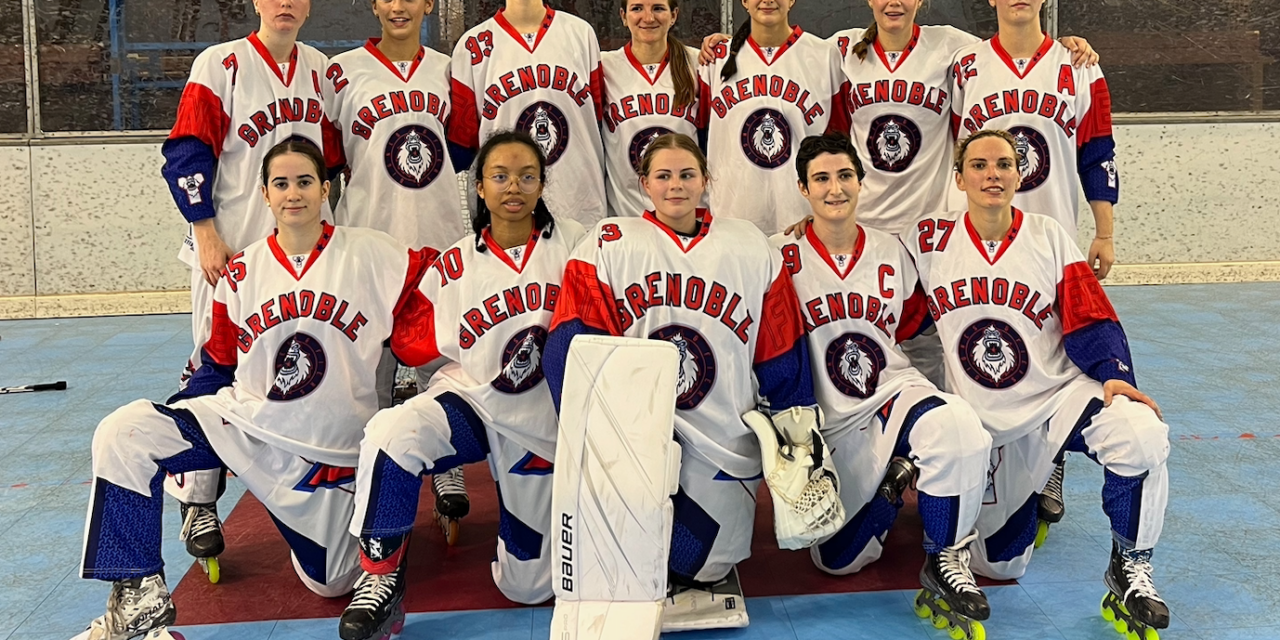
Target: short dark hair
[(297, 145), (833, 143), (542, 218)]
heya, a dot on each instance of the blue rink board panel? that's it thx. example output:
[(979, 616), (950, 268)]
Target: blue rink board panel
[(1207, 353)]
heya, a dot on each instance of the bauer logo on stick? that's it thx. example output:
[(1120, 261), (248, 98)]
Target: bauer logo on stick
[(766, 139), (522, 361), (892, 143), (854, 363), (300, 367), (993, 354), (414, 156), (697, 369), (546, 124)]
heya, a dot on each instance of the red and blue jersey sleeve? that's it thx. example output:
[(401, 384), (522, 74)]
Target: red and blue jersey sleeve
[(194, 144), (1096, 155), (781, 360), (1091, 332), (218, 356), (413, 332), (586, 306)]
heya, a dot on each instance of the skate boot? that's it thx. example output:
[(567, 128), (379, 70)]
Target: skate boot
[(693, 606), (376, 611), (901, 473), (1051, 507), (137, 607), (1132, 605), (452, 503), (202, 533), (951, 598)]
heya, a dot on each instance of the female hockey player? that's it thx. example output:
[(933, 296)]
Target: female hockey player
[(485, 306), (281, 399), (651, 89), (536, 70), (1034, 345), (860, 297), (714, 288), (766, 90), (242, 98), (390, 102)]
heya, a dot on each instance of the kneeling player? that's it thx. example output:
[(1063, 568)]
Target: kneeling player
[(1034, 345), (486, 306), (714, 288), (860, 299), (281, 399)]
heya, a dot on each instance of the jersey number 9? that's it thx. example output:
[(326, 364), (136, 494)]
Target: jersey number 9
[(480, 47)]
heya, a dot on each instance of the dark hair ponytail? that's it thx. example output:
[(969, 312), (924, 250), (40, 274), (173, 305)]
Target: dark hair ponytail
[(542, 218), (739, 38), (868, 38)]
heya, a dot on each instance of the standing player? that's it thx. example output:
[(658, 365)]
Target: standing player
[(281, 399), (714, 288), (650, 90), (1035, 347), (860, 299), (485, 307), (536, 70), (1021, 81), (243, 97), (390, 101), (770, 87)]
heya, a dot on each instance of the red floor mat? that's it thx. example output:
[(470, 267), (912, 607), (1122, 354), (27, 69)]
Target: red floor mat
[(258, 581)]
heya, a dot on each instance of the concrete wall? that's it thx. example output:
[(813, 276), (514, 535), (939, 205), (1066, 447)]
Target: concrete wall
[(90, 228)]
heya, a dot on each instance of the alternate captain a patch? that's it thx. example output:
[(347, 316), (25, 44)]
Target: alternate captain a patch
[(766, 139), (300, 366), (414, 156), (546, 124)]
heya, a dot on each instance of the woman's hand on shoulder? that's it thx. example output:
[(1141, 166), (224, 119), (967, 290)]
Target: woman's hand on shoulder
[(1082, 53)]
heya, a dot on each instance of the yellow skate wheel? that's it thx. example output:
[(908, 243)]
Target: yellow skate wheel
[(1107, 613), (1042, 533), (212, 569), (1151, 634), (977, 631), (939, 622), (956, 633), (922, 610), (1132, 636)]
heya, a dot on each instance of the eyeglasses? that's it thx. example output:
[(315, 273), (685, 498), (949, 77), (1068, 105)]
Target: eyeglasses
[(527, 183)]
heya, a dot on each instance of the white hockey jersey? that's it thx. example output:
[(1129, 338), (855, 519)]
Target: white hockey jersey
[(639, 106), (240, 103), (393, 136), (856, 310), (1059, 115), (722, 297), (548, 86), (1002, 319), (900, 122), (488, 313), (757, 119), (305, 347)]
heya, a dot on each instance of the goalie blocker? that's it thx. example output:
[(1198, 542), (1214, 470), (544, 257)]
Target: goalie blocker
[(617, 466)]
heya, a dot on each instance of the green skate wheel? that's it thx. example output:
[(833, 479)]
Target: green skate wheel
[(211, 569), (977, 631), (922, 610), (939, 622), (1151, 634), (956, 633), (1131, 636), (1042, 533)]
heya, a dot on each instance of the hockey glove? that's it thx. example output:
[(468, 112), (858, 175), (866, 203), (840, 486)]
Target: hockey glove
[(800, 475)]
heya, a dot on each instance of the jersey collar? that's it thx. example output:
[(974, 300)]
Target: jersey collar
[(515, 35), (271, 62), (884, 57), (704, 227), (1045, 45), (821, 249), (1004, 246), (326, 234), (372, 47), (501, 253), (639, 67), (796, 32)]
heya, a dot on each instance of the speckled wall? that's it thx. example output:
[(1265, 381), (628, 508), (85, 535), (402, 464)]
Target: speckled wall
[(103, 221)]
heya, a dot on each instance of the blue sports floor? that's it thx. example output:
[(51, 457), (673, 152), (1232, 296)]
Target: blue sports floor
[(1207, 353)]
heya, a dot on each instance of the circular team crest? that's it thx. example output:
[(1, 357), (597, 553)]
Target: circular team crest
[(993, 354), (854, 363), (893, 142), (300, 367), (1034, 165), (414, 156), (546, 124), (640, 144), (697, 364), (522, 361), (766, 139)]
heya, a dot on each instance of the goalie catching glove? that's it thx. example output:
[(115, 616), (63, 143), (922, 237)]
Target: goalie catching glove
[(800, 475)]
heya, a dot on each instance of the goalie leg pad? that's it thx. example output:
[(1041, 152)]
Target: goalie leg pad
[(616, 467), (714, 606)]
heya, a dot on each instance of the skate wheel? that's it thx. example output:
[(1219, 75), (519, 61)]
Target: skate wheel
[(211, 569), (1042, 533), (450, 527), (939, 622), (922, 610), (1151, 634), (956, 633), (977, 631)]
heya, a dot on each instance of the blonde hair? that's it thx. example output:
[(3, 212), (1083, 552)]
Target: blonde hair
[(963, 146)]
